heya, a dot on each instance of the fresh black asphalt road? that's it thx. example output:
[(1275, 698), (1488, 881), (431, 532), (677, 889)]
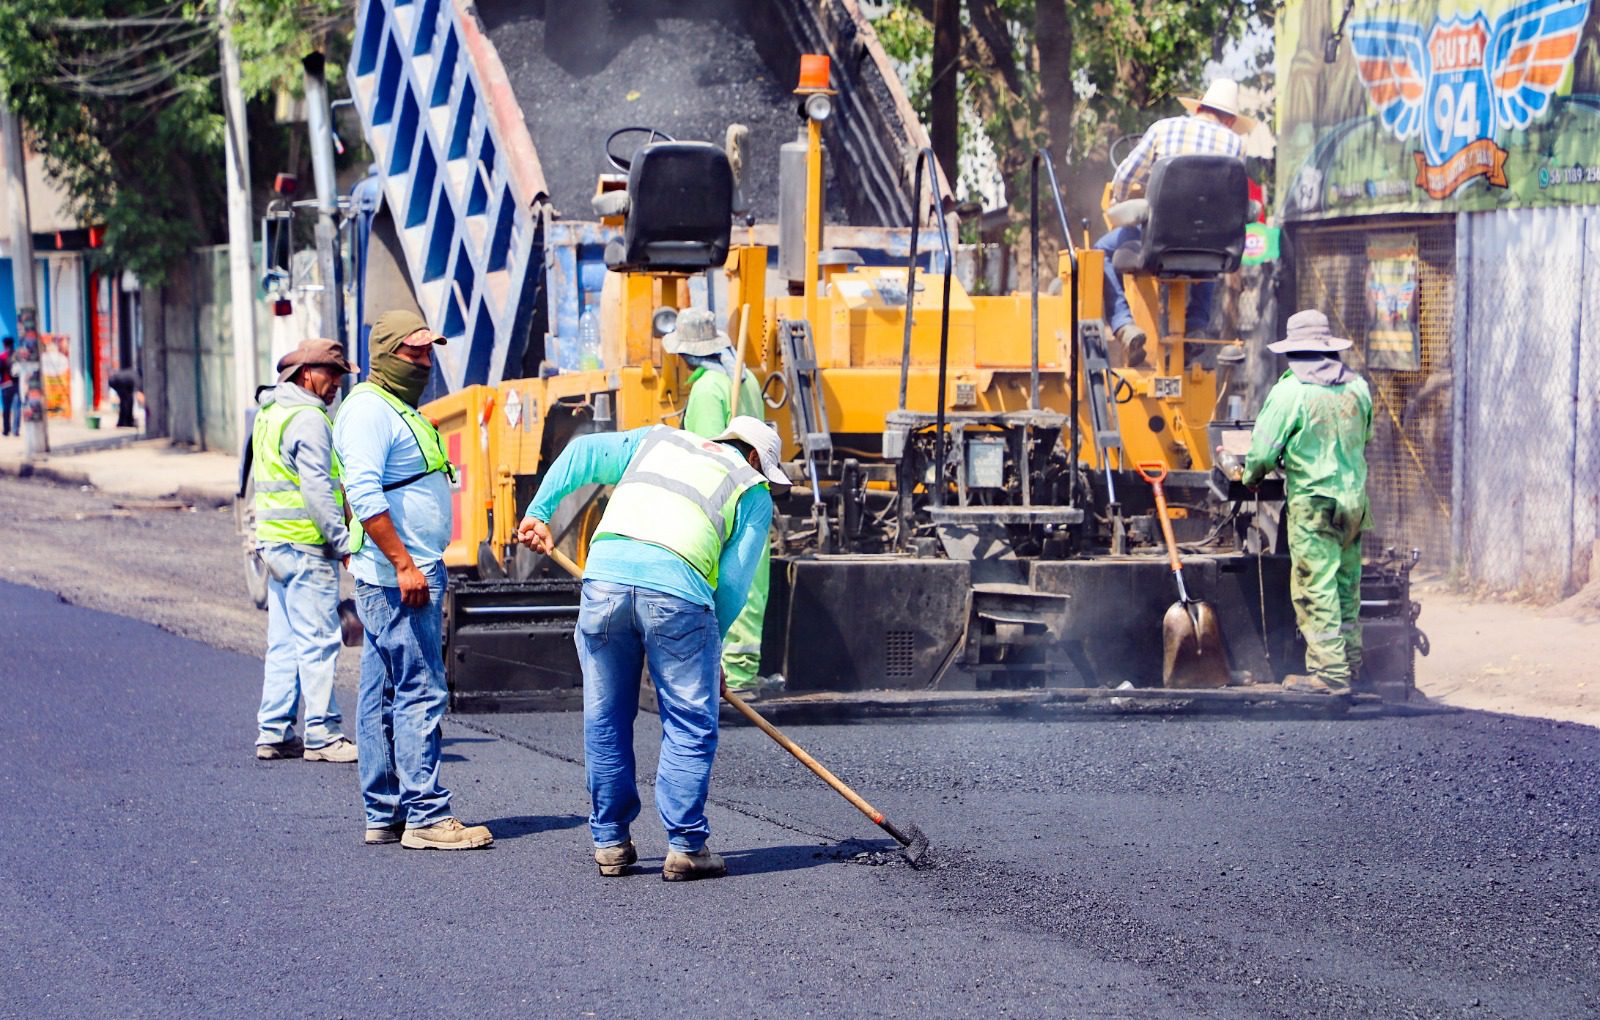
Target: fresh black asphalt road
[(1429, 866)]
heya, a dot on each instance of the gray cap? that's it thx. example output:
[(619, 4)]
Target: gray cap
[(1308, 331), (696, 333)]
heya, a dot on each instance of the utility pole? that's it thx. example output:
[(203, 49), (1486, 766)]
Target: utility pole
[(35, 432), (241, 272), (319, 121), (944, 88)]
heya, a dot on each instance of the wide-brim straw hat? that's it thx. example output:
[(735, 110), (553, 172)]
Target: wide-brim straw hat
[(1222, 95), (1308, 332)]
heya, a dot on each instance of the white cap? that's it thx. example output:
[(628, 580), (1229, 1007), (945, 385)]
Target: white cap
[(760, 437)]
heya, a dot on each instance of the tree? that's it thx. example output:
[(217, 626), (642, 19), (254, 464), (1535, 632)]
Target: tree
[(121, 98), (1073, 77)]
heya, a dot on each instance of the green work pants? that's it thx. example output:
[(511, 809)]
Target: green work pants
[(741, 646), (1325, 585)]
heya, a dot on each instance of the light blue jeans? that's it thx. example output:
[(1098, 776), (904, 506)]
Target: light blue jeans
[(302, 646), (620, 628), (1197, 312), (401, 705)]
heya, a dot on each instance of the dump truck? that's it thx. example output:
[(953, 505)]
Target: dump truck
[(969, 526)]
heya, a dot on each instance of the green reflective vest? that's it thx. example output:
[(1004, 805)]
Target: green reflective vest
[(680, 492), (428, 441), (281, 513)]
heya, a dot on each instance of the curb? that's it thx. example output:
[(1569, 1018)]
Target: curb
[(47, 472), (199, 496)]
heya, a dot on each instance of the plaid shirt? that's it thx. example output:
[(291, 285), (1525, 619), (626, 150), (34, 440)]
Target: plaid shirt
[(1174, 136)]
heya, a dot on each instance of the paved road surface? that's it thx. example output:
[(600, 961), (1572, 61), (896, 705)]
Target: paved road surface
[(1440, 866)]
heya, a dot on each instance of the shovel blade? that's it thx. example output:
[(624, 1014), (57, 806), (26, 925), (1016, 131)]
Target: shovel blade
[(1191, 644)]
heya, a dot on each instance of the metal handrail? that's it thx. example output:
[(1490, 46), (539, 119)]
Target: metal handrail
[(925, 157), (1042, 156)]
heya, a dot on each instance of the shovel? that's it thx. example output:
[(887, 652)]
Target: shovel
[(913, 844), (1191, 642)]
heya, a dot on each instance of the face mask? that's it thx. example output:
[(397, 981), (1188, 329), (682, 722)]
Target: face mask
[(403, 378)]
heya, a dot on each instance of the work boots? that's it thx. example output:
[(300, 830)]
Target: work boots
[(682, 867), (1302, 684), (281, 750), (342, 750), (448, 834), (614, 860), (1130, 338)]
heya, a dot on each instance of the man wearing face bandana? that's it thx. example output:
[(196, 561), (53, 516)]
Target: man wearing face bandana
[(397, 484)]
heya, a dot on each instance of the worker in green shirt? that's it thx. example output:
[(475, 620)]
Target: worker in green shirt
[(709, 353), (1316, 424)]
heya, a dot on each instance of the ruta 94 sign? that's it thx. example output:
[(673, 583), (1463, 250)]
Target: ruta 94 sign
[(1431, 107)]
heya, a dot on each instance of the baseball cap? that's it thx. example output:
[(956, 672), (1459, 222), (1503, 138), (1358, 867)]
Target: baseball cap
[(314, 351), (760, 437), (394, 328)]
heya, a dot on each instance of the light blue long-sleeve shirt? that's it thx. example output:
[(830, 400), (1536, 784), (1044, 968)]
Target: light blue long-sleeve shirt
[(601, 459), (377, 448)]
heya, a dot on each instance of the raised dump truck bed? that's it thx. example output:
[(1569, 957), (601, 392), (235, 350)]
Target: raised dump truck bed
[(488, 125)]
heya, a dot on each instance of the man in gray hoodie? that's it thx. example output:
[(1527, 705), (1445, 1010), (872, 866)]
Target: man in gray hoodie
[(300, 530)]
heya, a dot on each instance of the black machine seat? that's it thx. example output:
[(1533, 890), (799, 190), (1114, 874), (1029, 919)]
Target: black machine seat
[(680, 209), (1198, 209)]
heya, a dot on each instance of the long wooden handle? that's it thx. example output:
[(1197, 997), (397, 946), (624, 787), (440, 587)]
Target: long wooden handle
[(805, 759), (738, 361), (1166, 528), (565, 563)]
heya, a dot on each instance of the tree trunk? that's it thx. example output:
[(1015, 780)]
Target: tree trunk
[(1052, 31), (946, 77)]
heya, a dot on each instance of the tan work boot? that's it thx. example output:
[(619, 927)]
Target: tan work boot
[(614, 860), (682, 867), (448, 834), (384, 834), (279, 751), (342, 750), (1132, 338), (1302, 684)]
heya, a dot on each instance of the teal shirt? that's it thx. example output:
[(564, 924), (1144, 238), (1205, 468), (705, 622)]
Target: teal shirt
[(601, 459)]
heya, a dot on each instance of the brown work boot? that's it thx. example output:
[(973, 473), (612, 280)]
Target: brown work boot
[(1302, 684), (448, 834), (682, 867), (614, 860), (342, 750), (1132, 338), (279, 751), (384, 834)]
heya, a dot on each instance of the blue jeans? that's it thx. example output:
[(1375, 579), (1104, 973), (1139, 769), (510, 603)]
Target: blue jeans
[(620, 628), (401, 705), (302, 646), (1197, 313)]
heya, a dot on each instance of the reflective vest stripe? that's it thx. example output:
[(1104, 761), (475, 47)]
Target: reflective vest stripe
[(283, 486)]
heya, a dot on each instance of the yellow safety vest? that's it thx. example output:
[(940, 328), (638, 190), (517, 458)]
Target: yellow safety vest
[(680, 492), (428, 441), (281, 513)]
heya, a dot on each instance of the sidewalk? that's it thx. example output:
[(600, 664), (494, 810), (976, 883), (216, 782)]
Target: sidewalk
[(118, 461)]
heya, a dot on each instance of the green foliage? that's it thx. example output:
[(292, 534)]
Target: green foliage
[(122, 99)]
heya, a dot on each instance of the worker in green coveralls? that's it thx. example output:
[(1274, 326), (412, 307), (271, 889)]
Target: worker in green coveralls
[(1316, 424), (707, 350)]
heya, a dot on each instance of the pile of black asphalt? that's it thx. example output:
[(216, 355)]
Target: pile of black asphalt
[(1433, 866), (688, 68)]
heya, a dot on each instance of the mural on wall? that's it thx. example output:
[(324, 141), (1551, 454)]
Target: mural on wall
[(1437, 106)]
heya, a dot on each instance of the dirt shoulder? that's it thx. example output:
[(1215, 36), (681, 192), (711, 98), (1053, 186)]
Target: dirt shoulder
[(1508, 657)]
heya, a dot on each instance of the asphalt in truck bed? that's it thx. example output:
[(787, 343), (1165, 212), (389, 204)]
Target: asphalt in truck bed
[(688, 68), (1432, 866)]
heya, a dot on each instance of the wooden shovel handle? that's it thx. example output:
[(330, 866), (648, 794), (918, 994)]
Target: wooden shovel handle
[(805, 759), (1166, 523), (756, 719)]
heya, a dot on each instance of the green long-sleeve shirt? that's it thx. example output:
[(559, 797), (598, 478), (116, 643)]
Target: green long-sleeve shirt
[(1319, 434), (708, 411)]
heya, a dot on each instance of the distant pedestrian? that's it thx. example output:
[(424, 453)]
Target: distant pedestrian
[(8, 386), (1316, 424), (397, 478), (668, 572), (301, 534)]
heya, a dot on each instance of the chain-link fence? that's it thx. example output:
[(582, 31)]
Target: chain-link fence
[(1390, 287)]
